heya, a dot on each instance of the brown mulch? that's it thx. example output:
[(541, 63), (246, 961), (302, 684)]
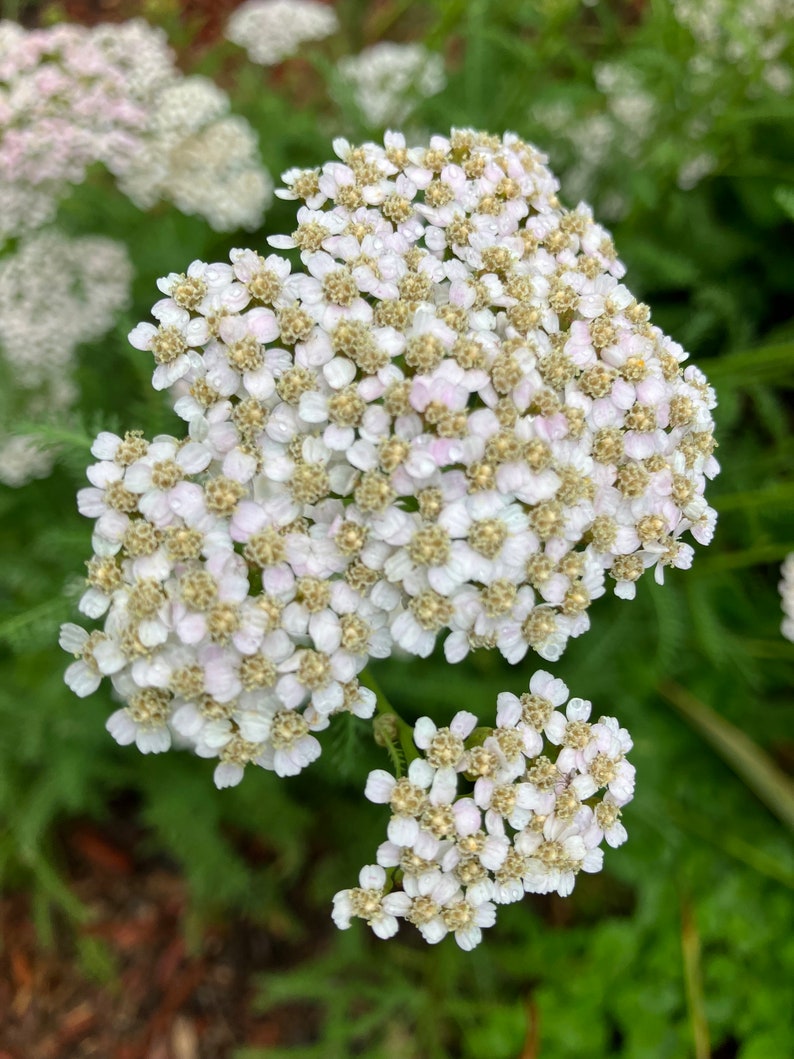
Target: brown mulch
[(124, 984), (204, 18)]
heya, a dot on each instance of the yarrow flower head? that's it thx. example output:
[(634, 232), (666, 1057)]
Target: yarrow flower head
[(72, 96), (451, 424), (486, 815), (55, 293), (388, 79), (273, 30), (198, 156)]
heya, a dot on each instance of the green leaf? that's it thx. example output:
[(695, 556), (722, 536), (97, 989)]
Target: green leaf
[(784, 197), (766, 364), (745, 757)]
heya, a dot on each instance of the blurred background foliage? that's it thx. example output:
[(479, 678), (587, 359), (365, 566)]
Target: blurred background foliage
[(674, 119)]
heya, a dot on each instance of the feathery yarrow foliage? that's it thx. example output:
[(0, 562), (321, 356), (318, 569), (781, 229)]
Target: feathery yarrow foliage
[(451, 424)]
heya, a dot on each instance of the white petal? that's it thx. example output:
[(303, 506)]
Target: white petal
[(444, 787), (397, 904), (109, 657), (227, 775), (421, 773), (384, 926), (403, 830), (372, 877), (380, 786), (122, 727), (82, 680), (72, 637), (463, 724), (153, 740), (469, 938), (578, 709), (424, 730), (434, 931)]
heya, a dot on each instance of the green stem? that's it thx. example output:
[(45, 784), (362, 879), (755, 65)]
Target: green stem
[(385, 709), (761, 553), (779, 649), (778, 495), (693, 981)]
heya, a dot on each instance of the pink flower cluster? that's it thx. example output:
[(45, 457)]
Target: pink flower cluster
[(71, 97), (543, 790)]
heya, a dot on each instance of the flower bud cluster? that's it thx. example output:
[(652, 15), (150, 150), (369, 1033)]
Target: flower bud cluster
[(273, 30), (485, 815), (71, 96), (452, 423)]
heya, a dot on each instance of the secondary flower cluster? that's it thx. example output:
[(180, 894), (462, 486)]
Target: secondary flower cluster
[(55, 292), (200, 157), (273, 30), (71, 97), (388, 79), (541, 791), (452, 423)]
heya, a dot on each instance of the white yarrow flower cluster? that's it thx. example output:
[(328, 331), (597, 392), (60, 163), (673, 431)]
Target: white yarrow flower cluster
[(485, 815), (451, 424), (201, 158), (786, 587), (273, 30), (388, 79), (56, 292), (755, 38)]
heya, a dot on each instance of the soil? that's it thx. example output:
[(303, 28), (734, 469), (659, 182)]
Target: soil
[(120, 981)]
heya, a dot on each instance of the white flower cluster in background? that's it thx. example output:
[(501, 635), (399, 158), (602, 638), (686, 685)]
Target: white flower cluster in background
[(201, 158), (389, 79), (486, 815), (273, 30), (629, 120), (623, 127), (71, 96), (452, 424), (755, 37), (787, 597), (55, 293)]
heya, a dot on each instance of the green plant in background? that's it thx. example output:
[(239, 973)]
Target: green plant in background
[(653, 956)]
